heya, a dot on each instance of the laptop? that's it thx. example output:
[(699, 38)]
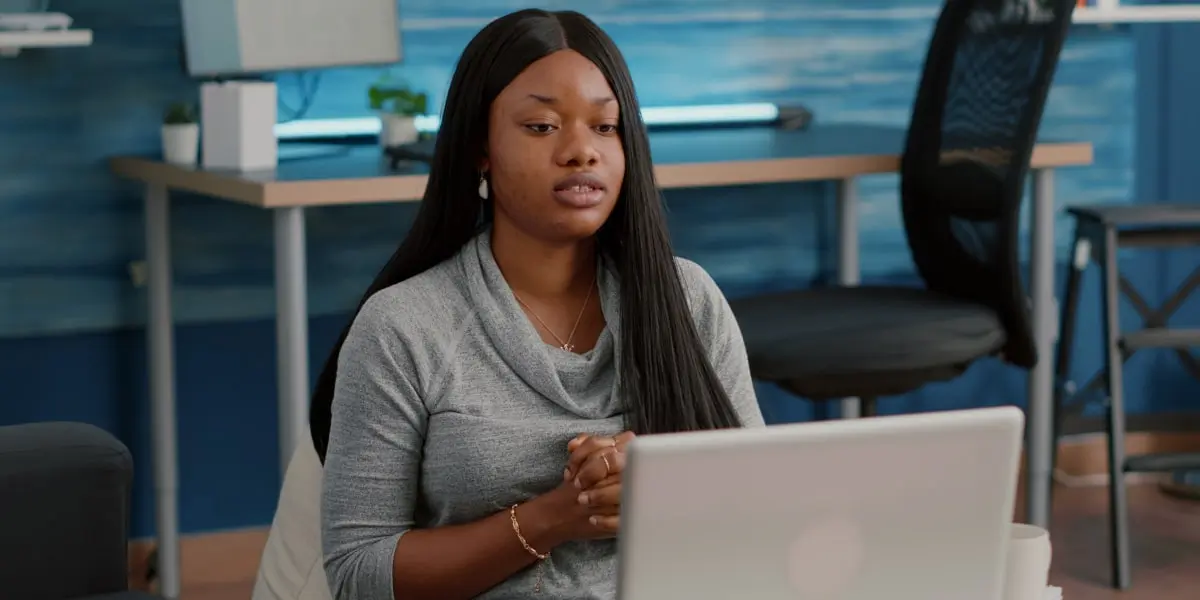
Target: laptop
[(913, 507)]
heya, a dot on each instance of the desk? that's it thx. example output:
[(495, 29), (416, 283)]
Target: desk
[(683, 159)]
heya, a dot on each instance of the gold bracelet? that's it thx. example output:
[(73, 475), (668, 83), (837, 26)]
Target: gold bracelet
[(512, 515)]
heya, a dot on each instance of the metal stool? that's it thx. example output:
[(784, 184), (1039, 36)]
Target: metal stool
[(1099, 232)]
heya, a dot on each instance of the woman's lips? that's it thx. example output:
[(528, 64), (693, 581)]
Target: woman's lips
[(581, 190), (580, 196)]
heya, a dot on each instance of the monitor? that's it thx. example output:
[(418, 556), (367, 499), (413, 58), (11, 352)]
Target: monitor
[(230, 38)]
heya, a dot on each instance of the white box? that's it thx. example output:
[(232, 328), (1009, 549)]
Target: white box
[(237, 125), (235, 37)]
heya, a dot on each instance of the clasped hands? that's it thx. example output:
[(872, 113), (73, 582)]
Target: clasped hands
[(594, 470)]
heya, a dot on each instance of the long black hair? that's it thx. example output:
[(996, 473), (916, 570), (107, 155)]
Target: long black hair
[(667, 381)]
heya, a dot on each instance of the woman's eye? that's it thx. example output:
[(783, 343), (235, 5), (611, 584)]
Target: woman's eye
[(607, 129), (540, 127)]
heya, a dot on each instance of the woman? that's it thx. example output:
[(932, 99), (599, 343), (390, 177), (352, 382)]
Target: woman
[(472, 419)]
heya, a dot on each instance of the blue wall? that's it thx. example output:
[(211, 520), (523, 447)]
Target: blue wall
[(71, 343), (1168, 127)]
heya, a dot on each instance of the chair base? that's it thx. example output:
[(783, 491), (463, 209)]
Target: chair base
[(869, 385), (867, 407)]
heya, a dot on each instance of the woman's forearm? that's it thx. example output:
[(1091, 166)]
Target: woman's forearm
[(463, 561)]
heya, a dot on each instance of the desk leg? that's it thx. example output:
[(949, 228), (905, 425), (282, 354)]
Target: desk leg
[(160, 350), (1041, 377), (848, 262), (291, 329)]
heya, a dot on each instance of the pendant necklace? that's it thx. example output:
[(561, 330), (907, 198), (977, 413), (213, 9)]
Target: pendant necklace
[(563, 344)]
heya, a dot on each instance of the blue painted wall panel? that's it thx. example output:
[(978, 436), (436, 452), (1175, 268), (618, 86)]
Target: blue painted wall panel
[(1168, 129)]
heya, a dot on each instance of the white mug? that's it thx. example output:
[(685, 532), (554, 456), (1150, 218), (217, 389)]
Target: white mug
[(1027, 570)]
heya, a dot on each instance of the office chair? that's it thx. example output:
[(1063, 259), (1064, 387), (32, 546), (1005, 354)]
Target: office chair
[(963, 173)]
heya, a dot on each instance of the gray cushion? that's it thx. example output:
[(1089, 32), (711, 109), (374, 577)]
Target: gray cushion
[(1143, 215), (855, 333), (64, 502)]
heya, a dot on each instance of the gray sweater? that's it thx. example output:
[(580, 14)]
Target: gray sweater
[(449, 408)]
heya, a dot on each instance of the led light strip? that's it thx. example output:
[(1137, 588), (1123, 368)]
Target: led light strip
[(712, 114)]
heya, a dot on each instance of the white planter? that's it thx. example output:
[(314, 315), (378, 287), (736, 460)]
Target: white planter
[(181, 143), (397, 130)]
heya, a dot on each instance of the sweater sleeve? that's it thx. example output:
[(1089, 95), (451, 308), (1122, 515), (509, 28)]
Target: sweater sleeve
[(722, 337), (372, 466)]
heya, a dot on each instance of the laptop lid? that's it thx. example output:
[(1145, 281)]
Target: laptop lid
[(913, 507)]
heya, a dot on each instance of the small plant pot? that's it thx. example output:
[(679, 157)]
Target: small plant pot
[(181, 143), (397, 130)]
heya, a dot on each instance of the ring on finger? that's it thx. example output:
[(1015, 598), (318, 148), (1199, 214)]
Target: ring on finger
[(607, 467)]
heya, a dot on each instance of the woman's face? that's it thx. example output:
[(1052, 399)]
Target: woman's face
[(554, 155)]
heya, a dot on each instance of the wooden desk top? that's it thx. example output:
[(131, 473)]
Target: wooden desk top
[(683, 159)]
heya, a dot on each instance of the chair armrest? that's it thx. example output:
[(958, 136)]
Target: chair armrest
[(64, 501)]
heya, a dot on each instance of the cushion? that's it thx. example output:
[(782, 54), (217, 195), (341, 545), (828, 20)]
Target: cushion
[(853, 333), (292, 565), (64, 511)]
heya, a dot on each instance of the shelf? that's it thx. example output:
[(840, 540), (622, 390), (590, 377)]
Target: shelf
[(1153, 13), (12, 42)]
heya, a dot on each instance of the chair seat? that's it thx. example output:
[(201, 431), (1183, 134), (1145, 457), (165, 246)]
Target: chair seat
[(1140, 215), (828, 342)]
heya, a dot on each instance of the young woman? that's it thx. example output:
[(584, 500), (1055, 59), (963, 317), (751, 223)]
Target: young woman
[(471, 421)]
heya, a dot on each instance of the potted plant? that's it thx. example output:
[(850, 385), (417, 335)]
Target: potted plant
[(180, 134), (398, 107)]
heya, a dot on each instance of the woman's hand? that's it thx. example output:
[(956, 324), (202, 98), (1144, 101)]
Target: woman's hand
[(594, 469), (558, 516), (586, 504)]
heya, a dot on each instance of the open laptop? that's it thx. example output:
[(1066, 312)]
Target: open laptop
[(913, 507)]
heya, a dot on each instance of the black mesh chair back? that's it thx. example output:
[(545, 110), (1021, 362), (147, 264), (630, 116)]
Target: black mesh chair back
[(971, 136)]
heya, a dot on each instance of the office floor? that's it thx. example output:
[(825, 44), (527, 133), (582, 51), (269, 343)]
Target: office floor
[(1166, 548), (1166, 545)]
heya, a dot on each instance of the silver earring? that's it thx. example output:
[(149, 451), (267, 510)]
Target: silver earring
[(483, 186)]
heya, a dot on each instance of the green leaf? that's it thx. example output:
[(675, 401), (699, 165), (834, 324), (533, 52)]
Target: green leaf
[(391, 95), (179, 113)]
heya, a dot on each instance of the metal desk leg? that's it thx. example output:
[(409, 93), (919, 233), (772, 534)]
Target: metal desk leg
[(848, 262), (1041, 378), (160, 351), (291, 330)]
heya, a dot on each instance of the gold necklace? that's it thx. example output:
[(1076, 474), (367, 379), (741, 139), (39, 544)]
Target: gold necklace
[(564, 345)]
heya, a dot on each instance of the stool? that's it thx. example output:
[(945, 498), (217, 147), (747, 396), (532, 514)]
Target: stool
[(1099, 232)]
